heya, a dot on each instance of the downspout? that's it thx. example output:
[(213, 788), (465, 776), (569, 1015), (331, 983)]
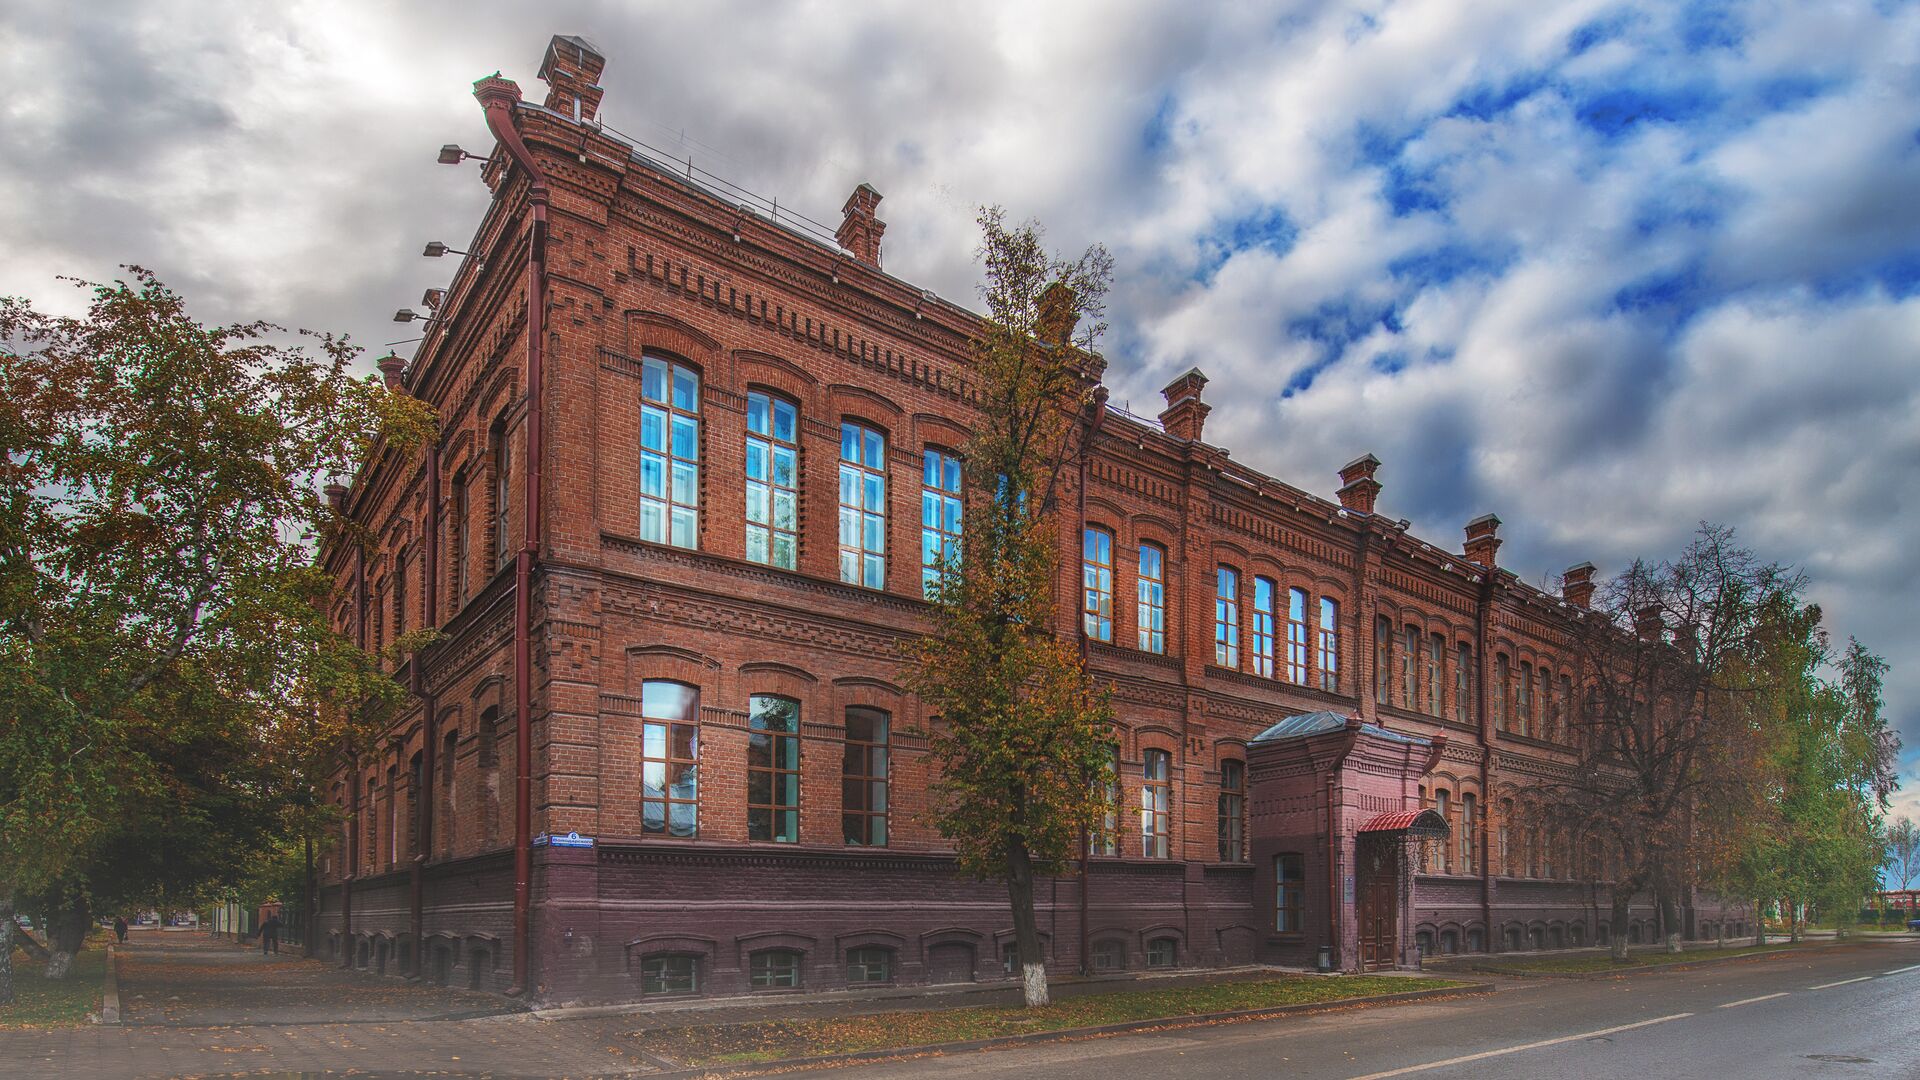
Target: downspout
[(1086, 649), (423, 819), (497, 97), (1333, 841), (353, 763), (1483, 664)]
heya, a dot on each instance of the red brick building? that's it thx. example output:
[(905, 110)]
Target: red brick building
[(678, 635)]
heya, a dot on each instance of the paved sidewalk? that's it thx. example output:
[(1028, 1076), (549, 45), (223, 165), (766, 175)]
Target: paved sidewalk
[(202, 1008)]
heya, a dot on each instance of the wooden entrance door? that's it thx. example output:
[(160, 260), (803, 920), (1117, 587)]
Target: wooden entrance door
[(1378, 900)]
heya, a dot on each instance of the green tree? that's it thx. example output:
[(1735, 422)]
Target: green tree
[(1021, 739), (1660, 724), (1903, 852), (158, 510)]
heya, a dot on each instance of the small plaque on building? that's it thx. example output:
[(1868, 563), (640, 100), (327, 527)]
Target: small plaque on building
[(572, 839)]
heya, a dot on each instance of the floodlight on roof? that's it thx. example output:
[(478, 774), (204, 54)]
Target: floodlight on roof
[(408, 315), (452, 154), (435, 249)]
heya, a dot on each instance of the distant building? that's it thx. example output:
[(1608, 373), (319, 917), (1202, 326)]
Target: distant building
[(750, 449)]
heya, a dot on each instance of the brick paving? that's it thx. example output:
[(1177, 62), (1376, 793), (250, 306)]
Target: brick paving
[(201, 1008)]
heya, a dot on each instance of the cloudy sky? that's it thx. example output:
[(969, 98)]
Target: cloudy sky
[(1606, 269)]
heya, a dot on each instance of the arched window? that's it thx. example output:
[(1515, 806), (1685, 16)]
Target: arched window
[(774, 969), (1106, 839), (863, 778), (1297, 636), (669, 453), (1233, 811), (863, 506), (773, 769), (1155, 803), (1436, 652), (1410, 668), (1262, 639), (1226, 617), (1501, 689), (1383, 660), (669, 759), (940, 519), (1442, 803), (1523, 715), (1162, 952), (1096, 584), (461, 543), (502, 490), (1329, 645), (1289, 892), (1152, 606), (1468, 825), (868, 965), (1463, 703), (773, 481), (669, 973)]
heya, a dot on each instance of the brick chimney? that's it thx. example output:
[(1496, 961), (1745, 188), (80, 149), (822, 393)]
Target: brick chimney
[(393, 369), (1648, 623), (1358, 488), (1055, 320), (1576, 585), (1185, 414), (1483, 540), (572, 72), (860, 231), (336, 497)]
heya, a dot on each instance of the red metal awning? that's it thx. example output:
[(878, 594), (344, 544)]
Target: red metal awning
[(1417, 822)]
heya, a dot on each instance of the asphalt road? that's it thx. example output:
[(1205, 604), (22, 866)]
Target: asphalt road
[(1847, 1011)]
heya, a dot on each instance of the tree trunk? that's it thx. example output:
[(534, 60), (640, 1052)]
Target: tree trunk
[(1617, 927), (1026, 933), (1759, 922), (25, 941), (6, 948), (1793, 921), (1670, 920), (66, 933)]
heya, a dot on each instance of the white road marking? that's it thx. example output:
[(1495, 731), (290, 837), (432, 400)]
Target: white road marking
[(1485, 1054), (1752, 1000), (1899, 971), (1842, 982)]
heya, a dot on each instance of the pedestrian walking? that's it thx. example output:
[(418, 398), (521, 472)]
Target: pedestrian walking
[(120, 928), (270, 935)]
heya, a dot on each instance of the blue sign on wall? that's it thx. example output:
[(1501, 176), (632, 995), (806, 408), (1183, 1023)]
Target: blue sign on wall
[(572, 839)]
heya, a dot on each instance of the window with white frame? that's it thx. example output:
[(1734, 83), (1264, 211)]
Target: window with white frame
[(773, 481), (863, 506), (669, 453)]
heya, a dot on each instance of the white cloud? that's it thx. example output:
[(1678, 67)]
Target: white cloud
[(276, 161)]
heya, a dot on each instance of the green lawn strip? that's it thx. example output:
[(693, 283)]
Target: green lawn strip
[(1594, 962), (775, 1040), (42, 1003)]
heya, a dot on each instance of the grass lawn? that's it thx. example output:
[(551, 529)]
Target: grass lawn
[(723, 1044), (1592, 962), (38, 1003)]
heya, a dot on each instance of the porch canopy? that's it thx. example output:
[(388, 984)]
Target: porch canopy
[(1417, 824)]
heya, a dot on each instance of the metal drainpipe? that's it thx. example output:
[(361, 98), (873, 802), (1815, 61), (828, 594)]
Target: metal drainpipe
[(353, 763), (1333, 847), (423, 819), (1486, 758), (498, 97), (1086, 841)]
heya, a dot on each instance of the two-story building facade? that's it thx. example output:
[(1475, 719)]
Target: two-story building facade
[(695, 461)]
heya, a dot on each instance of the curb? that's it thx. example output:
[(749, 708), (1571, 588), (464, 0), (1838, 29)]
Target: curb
[(110, 988), (676, 1072), (1649, 969)]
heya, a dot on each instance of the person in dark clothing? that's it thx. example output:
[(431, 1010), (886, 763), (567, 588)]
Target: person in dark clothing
[(270, 935), (120, 928)]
